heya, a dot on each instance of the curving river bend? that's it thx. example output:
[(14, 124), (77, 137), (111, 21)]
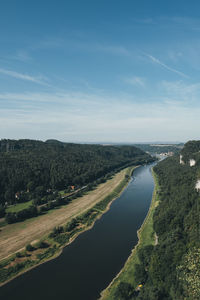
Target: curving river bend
[(89, 264)]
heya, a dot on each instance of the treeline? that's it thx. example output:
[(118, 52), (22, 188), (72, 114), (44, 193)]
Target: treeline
[(22, 214), (176, 222), (170, 269), (156, 148), (29, 168), (191, 151), (58, 237), (43, 204)]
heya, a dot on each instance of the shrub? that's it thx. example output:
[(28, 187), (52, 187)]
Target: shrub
[(29, 247)]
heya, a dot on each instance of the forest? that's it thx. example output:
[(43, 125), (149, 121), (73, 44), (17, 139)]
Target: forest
[(36, 171), (170, 270)]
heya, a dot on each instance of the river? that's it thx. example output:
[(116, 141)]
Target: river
[(89, 264)]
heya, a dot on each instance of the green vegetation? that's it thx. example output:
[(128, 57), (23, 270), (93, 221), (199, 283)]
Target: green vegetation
[(17, 207), (37, 176), (125, 283), (170, 269), (29, 247), (52, 245), (22, 215), (191, 151)]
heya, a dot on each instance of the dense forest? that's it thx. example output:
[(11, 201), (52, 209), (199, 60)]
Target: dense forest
[(191, 151), (170, 270), (29, 168)]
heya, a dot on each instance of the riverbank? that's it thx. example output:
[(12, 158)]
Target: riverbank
[(56, 241), (146, 236)]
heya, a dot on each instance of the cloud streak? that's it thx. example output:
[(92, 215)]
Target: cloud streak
[(21, 76), (136, 81), (93, 118), (157, 61)]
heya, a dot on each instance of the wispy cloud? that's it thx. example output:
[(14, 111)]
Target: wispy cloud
[(182, 91), (69, 116), (17, 75), (22, 55), (136, 81), (98, 47), (113, 49), (157, 61)]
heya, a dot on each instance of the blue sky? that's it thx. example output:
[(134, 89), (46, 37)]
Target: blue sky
[(100, 70)]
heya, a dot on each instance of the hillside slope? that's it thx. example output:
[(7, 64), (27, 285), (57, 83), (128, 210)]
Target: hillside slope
[(34, 166), (173, 269), (169, 270)]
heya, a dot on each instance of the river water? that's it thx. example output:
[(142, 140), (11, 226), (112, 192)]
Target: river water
[(90, 263)]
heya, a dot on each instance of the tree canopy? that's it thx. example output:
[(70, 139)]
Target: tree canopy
[(35, 166)]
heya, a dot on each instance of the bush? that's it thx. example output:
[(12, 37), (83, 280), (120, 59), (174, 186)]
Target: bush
[(56, 231), (22, 214), (71, 225), (124, 291), (2, 211), (18, 254), (29, 247), (42, 245)]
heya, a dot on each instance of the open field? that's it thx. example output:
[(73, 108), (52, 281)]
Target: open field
[(146, 237), (19, 206), (15, 237)]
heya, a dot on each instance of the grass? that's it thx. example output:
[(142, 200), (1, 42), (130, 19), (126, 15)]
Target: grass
[(146, 237), (16, 236), (17, 207), (64, 193), (13, 266)]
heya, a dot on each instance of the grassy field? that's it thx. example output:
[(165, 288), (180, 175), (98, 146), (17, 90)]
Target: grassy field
[(16, 236), (146, 237), (18, 207), (23, 260)]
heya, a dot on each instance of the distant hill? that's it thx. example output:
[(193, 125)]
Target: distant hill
[(191, 151), (160, 148), (171, 269), (35, 165), (54, 142)]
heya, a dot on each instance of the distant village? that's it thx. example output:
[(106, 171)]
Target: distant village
[(167, 153)]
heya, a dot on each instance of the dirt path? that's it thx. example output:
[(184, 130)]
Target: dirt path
[(14, 237)]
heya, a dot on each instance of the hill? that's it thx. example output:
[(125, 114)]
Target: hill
[(160, 148), (169, 270), (30, 168)]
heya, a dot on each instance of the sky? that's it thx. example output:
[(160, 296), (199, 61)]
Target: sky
[(125, 71)]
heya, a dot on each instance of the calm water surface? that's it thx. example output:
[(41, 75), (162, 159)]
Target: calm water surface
[(89, 264)]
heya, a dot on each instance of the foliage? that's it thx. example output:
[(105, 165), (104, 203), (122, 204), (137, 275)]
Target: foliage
[(58, 237), (189, 273), (6, 273), (124, 291), (42, 245), (2, 211), (169, 270), (30, 167), (18, 207), (29, 247), (22, 214), (167, 274), (133, 272), (190, 149)]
